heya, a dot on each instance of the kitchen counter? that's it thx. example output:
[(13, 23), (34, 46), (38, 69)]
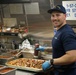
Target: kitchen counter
[(23, 72)]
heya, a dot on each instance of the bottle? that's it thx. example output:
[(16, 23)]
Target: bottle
[(36, 51)]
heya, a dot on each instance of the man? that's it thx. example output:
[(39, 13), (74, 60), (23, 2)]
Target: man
[(63, 44)]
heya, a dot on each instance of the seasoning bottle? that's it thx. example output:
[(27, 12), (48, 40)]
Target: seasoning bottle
[(36, 51)]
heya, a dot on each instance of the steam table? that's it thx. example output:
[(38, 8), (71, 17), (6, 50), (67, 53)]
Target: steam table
[(23, 72)]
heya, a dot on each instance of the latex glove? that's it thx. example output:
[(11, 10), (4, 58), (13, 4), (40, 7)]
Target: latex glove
[(46, 65), (41, 48)]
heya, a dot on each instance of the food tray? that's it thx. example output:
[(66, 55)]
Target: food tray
[(4, 59), (2, 66), (24, 67), (12, 53), (7, 71)]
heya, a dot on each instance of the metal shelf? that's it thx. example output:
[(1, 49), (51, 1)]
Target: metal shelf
[(8, 34)]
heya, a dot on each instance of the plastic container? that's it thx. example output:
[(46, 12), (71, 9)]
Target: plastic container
[(7, 71)]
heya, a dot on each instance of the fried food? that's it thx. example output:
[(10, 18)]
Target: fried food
[(25, 62)]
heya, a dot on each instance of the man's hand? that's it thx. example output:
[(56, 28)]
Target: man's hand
[(46, 65), (41, 48)]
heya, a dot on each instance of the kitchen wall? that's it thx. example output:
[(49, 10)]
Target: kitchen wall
[(35, 18), (33, 15), (37, 22)]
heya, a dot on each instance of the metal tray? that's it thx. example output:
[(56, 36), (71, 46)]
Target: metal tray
[(12, 53), (4, 60), (9, 71), (24, 68), (2, 66)]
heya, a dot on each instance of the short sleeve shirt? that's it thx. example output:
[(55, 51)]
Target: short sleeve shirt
[(64, 40)]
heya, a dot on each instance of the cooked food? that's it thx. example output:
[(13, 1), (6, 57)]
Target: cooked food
[(25, 62), (5, 70), (1, 66), (1, 56), (13, 52)]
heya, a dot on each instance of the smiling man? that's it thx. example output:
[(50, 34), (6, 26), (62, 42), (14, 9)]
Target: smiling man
[(63, 44)]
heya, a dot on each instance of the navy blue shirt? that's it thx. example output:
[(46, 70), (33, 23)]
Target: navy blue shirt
[(64, 40)]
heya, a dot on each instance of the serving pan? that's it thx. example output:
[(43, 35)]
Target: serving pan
[(34, 65), (7, 71), (2, 66), (12, 53), (4, 59)]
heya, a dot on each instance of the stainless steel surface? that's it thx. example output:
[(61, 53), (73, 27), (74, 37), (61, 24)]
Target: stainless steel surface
[(4, 60), (28, 53), (21, 72), (12, 53), (25, 68), (47, 57), (19, 65), (2, 66), (7, 71)]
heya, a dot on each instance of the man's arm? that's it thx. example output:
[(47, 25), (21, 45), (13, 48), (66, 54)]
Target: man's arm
[(68, 58)]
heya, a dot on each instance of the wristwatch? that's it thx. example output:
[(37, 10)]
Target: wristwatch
[(52, 61)]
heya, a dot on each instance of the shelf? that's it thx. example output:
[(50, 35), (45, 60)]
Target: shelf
[(8, 34)]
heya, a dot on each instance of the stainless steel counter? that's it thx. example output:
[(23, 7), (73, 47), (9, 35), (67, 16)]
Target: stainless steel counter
[(23, 72)]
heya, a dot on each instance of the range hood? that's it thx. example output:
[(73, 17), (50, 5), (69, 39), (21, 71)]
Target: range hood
[(14, 1)]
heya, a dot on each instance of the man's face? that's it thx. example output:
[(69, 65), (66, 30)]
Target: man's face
[(58, 19)]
